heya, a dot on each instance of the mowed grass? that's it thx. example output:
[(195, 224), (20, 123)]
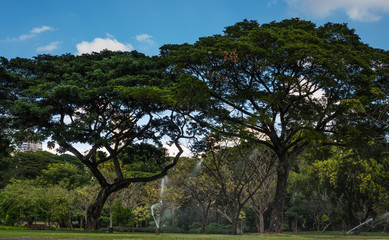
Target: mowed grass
[(98, 235)]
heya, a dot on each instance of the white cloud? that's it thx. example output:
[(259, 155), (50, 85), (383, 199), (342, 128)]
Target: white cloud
[(23, 37), (358, 10), (52, 46), (41, 29), (144, 38), (99, 44), (33, 33)]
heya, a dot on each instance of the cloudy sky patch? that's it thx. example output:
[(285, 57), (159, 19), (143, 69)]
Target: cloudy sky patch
[(100, 44), (144, 38), (35, 25), (31, 34), (357, 10), (38, 30), (48, 48)]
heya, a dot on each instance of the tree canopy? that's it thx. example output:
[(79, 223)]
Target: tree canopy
[(105, 100), (287, 85)]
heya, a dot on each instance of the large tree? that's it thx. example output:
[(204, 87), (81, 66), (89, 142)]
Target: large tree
[(285, 84), (7, 85), (109, 101)]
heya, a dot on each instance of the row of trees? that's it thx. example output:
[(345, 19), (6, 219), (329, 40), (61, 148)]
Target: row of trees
[(286, 86), (229, 186)]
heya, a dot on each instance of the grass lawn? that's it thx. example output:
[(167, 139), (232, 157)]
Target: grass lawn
[(91, 235)]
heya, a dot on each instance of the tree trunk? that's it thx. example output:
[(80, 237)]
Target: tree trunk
[(94, 210), (110, 220), (279, 199), (173, 216), (261, 223), (326, 226), (295, 225), (234, 223), (205, 219), (81, 221), (386, 224), (70, 221), (85, 218)]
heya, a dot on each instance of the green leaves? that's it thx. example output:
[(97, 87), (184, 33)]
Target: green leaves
[(276, 79), (83, 98), (144, 158), (65, 174)]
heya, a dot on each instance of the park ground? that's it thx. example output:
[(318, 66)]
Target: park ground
[(28, 234)]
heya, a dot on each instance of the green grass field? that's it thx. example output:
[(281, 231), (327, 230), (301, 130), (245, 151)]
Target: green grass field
[(89, 235)]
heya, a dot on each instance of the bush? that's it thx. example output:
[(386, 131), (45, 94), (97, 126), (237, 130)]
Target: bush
[(172, 230), (67, 229), (194, 231), (151, 229), (194, 228), (12, 228), (214, 228), (115, 229)]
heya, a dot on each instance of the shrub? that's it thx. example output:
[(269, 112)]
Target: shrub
[(194, 228), (214, 228), (172, 230), (12, 228)]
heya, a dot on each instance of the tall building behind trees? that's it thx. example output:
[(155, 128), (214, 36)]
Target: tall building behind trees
[(30, 146)]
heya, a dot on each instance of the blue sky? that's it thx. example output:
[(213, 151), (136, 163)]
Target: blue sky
[(29, 28)]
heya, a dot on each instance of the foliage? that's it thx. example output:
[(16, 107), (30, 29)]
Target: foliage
[(27, 165), (194, 227), (13, 228), (201, 189), (214, 228), (291, 86), (143, 158), (287, 85), (30, 165), (240, 170), (121, 215), (21, 201), (66, 175), (107, 100), (141, 214), (359, 184), (7, 83), (25, 200), (60, 205), (105, 235)]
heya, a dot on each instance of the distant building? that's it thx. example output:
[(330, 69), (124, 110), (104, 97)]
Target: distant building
[(30, 146)]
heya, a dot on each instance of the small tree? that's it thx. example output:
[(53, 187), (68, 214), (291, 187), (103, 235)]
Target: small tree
[(358, 185), (122, 215), (22, 201), (261, 200), (240, 170), (60, 205), (202, 190)]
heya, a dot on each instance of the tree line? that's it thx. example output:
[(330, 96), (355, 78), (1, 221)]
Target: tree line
[(297, 101)]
